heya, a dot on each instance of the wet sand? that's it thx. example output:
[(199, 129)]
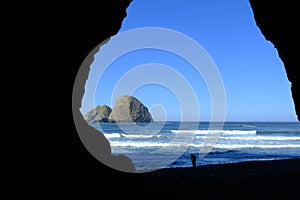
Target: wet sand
[(277, 179)]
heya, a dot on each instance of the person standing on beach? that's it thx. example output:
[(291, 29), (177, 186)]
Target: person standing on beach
[(193, 158)]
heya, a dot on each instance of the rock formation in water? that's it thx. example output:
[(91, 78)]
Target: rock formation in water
[(129, 109), (98, 114), (126, 109)]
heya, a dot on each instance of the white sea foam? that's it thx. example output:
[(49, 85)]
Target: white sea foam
[(218, 146), (226, 135), (255, 137), (227, 132), (119, 135), (112, 135), (263, 146), (247, 125), (271, 138), (140, 144)]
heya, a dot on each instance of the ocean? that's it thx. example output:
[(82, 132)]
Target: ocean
[(170, 144)]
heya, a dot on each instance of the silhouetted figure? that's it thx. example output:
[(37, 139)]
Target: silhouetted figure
[(193, 158)]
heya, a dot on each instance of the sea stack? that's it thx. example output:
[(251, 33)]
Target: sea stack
[(98, 114), (129, 109)]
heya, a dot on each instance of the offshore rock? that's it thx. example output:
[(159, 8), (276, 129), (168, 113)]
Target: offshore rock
[(98, 114), (129, 109)]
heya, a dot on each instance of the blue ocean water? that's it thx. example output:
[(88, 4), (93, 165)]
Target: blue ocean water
[(170, 144)]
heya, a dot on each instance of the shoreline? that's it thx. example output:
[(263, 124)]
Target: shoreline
[(242, 180), (220, 163)]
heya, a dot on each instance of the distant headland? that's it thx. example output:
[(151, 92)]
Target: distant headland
[(126, 109)]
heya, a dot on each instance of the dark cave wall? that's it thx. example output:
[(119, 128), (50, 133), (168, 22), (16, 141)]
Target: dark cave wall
[(93, 23), (50, 40), (278, 22)]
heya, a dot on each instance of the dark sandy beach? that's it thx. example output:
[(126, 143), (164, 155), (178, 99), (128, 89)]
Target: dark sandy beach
[(277, 179)]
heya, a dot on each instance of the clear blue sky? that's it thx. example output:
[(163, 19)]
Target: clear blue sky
[(254, 78)]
